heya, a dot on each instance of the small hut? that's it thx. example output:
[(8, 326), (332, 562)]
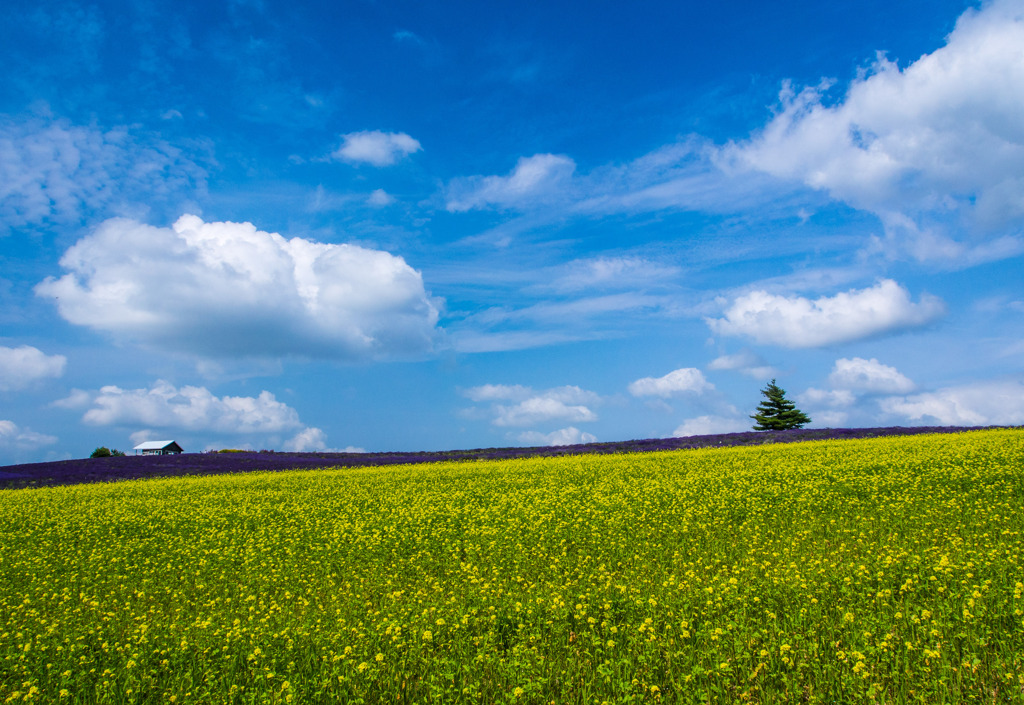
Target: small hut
[(158, 448)]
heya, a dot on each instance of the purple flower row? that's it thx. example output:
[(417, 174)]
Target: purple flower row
[(69, 472)]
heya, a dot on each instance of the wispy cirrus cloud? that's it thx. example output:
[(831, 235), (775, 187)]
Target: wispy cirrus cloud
[(610, 272), (554, 321), (932, 149), (537, 179), (55, 172)]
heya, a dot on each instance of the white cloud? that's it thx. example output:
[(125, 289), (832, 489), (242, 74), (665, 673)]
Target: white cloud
[(832, 418), (568, 403), (314, 440), (308, 439), (380, 198), (141, 436), (21, 366), (708, 425), (539, 178), (570, 394), (980, 404), (230, 290), (404, 35), (542, 409), (473, 341), (870, 376), (935, 149), (376, 147), (797, 322), (165, 406), (563, 437), (492, 392), (13, 437), (746, 362), (687, 380), (827, 397), (52, 171), (611, 272)]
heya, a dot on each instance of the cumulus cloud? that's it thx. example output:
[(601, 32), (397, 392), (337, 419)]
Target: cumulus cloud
[(526, 407), (13, 437), (687, 380), (563, 437), (230, 290), (21, 366), (936, 149), (165, 406), (851, 379), (798, 322), (52, 171), (314, 440), (746, 362), (534, 179), (542, 409), (707, 425), (308, 439), (868, 376), (375, 147), (814, 397), (980, 404)]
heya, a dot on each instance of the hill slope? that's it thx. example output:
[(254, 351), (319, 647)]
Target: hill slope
[(85, 470)]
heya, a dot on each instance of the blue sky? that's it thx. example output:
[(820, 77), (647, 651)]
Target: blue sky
[(417, 226)]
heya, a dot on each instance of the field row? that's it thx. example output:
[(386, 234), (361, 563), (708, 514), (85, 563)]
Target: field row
[(885, 570)]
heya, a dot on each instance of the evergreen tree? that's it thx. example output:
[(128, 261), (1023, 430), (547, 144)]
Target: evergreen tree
[(776, 412)]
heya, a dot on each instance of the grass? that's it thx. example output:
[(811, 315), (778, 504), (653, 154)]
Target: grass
[(884, 570)]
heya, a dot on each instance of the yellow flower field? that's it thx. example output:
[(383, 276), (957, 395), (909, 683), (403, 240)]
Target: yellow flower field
[(886, 570)]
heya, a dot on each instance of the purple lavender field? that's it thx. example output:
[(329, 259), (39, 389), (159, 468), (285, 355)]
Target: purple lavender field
[(69, 472)]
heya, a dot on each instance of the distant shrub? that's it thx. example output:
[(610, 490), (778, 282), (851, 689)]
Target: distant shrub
[(104, 452), (232, 450)]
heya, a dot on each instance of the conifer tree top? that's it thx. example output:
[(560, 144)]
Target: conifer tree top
[(776, 412)]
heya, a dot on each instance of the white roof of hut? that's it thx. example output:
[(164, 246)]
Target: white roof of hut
[(156, 445)]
